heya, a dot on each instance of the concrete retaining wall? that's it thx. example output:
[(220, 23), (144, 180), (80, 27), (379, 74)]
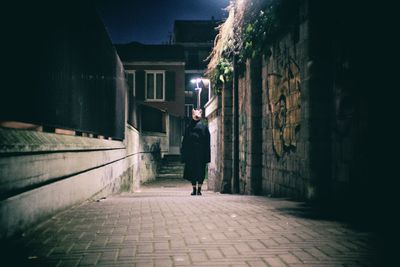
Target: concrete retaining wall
[(44, 173)]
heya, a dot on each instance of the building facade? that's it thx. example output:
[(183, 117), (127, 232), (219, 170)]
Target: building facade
[(155, 75), (197, 38)]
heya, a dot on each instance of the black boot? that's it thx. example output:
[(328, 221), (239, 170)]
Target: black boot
[(194, 191), (199, 191)]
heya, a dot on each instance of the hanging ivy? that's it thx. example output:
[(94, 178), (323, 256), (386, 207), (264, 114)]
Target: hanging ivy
[(260, 23), (263, 23), (257, 32), (222, 73)]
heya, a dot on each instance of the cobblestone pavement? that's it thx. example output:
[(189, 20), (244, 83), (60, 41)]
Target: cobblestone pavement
[(164, 226)]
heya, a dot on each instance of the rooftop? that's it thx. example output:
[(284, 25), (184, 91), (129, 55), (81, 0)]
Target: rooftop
[(143, 52)]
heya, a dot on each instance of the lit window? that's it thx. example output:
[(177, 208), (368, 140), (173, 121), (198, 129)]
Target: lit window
[(155, 85)]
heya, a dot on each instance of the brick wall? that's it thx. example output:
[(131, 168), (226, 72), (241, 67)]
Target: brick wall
[(285, 117), (340, 107), (300, 115), (250, 132), (227, 136)]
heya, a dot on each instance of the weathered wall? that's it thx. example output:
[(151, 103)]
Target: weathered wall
[(226, 133), (153, 146), (250, 140), (44, 173), (314, 112), (244, 104), (212, 113), (73, 90), (285, 117), (273, 113), (339, 107), (310, 133)]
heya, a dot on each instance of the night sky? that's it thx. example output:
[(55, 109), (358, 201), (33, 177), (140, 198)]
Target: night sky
[(151, 21)]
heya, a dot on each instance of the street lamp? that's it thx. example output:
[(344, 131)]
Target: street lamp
[(198, 89)]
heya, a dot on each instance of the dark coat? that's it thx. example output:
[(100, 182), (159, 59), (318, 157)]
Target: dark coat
[(195, 151)]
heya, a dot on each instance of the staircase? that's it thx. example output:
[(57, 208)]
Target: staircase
[(171, 171), (171, 168), (169, 180)]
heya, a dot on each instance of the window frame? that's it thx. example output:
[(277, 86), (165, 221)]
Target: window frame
[(132, 72), (154, 72), (188, 110)]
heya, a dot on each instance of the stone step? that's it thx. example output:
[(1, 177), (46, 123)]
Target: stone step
[(175, 167), (174, 172), (171, 158), (173, 163), (171, 168), (169, 175)]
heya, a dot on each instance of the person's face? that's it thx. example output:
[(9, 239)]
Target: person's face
[(196, 114)]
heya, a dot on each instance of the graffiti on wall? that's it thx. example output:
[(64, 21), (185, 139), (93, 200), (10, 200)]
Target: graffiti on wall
[(285, 105)]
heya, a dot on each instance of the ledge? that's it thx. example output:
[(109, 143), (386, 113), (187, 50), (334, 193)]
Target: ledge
[(146, 133), (212, 105), (26, 141)]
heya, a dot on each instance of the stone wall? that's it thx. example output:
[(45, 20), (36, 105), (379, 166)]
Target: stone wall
[(212, 113), (300, 123), (273, 113), (243, 108), (44, 173), (250, 138), (226, 133), (285, 117), (340, 108)]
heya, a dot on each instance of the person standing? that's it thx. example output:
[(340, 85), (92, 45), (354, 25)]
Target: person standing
[(195, 151)]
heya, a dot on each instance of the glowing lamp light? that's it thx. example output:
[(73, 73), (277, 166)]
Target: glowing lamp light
[(195, 80), (198, 88)]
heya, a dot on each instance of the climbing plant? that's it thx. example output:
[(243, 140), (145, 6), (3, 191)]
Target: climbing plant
[(222, 73), (256, 32), (249, 30), (263, 23)]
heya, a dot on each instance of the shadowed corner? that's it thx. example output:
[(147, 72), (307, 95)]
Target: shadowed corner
[(373, 233), (14, 253)]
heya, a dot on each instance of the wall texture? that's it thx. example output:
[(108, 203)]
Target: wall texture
[(44, 173), (212, 113), (68, 89), (285, 117), (273, 117), (300, 113)]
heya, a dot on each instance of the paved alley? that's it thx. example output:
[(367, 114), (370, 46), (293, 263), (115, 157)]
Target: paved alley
[(162, 225)]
